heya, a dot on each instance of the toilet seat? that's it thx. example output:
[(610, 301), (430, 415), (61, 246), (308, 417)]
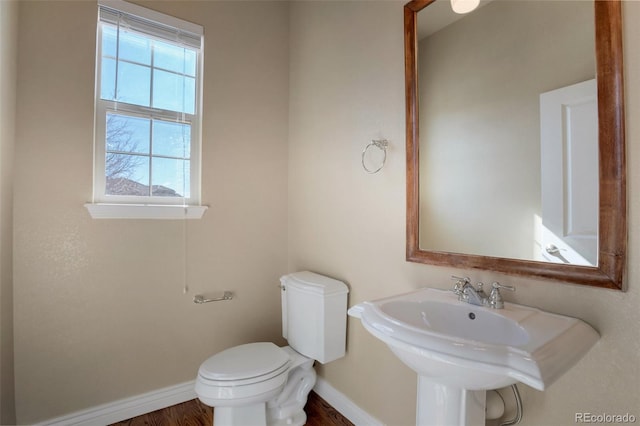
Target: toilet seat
[(247, 373), (245, 364)]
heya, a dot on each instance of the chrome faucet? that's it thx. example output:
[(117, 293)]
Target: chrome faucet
[(476, 295), (467, 293)]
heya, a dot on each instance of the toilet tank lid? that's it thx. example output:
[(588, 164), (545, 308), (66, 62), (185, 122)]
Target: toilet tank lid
[(314, 283)]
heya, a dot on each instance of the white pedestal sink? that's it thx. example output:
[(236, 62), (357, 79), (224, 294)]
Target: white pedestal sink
[(460, 350)]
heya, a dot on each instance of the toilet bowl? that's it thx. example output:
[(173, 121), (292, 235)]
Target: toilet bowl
[(250, 384), (258, 384)]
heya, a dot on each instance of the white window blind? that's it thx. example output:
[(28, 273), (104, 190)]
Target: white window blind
[(153, 24)]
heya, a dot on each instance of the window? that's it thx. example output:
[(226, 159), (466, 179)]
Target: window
[(148, 108)]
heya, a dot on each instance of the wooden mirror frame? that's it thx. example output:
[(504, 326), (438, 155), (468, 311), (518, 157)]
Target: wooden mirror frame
[(612, 231)]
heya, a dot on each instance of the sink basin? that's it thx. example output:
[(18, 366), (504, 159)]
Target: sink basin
[(457, 348), (459, 321), (476, 347)]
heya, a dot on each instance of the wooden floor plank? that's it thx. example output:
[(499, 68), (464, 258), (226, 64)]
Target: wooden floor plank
[(195, 413), (320, 413)]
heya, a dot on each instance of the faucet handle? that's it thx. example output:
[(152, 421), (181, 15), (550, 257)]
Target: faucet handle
[(461, 280), (496, 285), (480, 289), (459, 285), (495, 298)]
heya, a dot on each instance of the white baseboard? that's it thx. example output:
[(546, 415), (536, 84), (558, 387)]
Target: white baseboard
[(127, 408), (344, 405), (155, 400)]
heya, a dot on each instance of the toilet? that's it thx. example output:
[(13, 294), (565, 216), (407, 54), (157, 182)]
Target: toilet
[(261, 384)]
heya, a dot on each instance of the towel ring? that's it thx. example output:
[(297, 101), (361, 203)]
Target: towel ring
[(380, 144)]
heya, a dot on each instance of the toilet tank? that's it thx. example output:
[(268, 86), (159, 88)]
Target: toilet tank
[(314, 315)]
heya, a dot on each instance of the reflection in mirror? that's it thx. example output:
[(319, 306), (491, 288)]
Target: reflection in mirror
[(482, 82), (501, 152)]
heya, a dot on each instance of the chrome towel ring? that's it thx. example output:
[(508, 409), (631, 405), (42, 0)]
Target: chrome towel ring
[(380, 144)]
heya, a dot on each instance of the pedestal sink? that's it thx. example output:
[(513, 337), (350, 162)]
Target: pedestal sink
[(460, 350)]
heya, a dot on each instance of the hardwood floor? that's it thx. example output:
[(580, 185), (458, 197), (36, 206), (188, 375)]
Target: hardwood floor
[(190, 413), (195, 413), (320, 413)]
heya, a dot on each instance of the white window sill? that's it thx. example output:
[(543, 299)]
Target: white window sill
[(144, 211)]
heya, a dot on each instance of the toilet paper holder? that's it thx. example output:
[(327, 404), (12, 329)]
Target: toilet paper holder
[(199, 298)]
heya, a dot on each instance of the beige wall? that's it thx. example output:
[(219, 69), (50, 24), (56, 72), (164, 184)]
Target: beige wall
[(99, 309), (347, 87), (8, 55), (479, 172)]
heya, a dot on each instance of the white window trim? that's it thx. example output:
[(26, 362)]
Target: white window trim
[(108, 207), (144, 211)]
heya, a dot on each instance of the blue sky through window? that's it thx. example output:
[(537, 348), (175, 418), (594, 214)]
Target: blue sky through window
[(131, 62)]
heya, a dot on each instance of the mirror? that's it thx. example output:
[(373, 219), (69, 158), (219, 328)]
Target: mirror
[(486, 187), (452, 76)]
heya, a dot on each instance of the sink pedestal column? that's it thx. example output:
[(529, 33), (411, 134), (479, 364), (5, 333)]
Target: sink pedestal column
[(440, 405)]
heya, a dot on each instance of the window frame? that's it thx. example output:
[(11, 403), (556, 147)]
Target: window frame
[(103, 107)]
